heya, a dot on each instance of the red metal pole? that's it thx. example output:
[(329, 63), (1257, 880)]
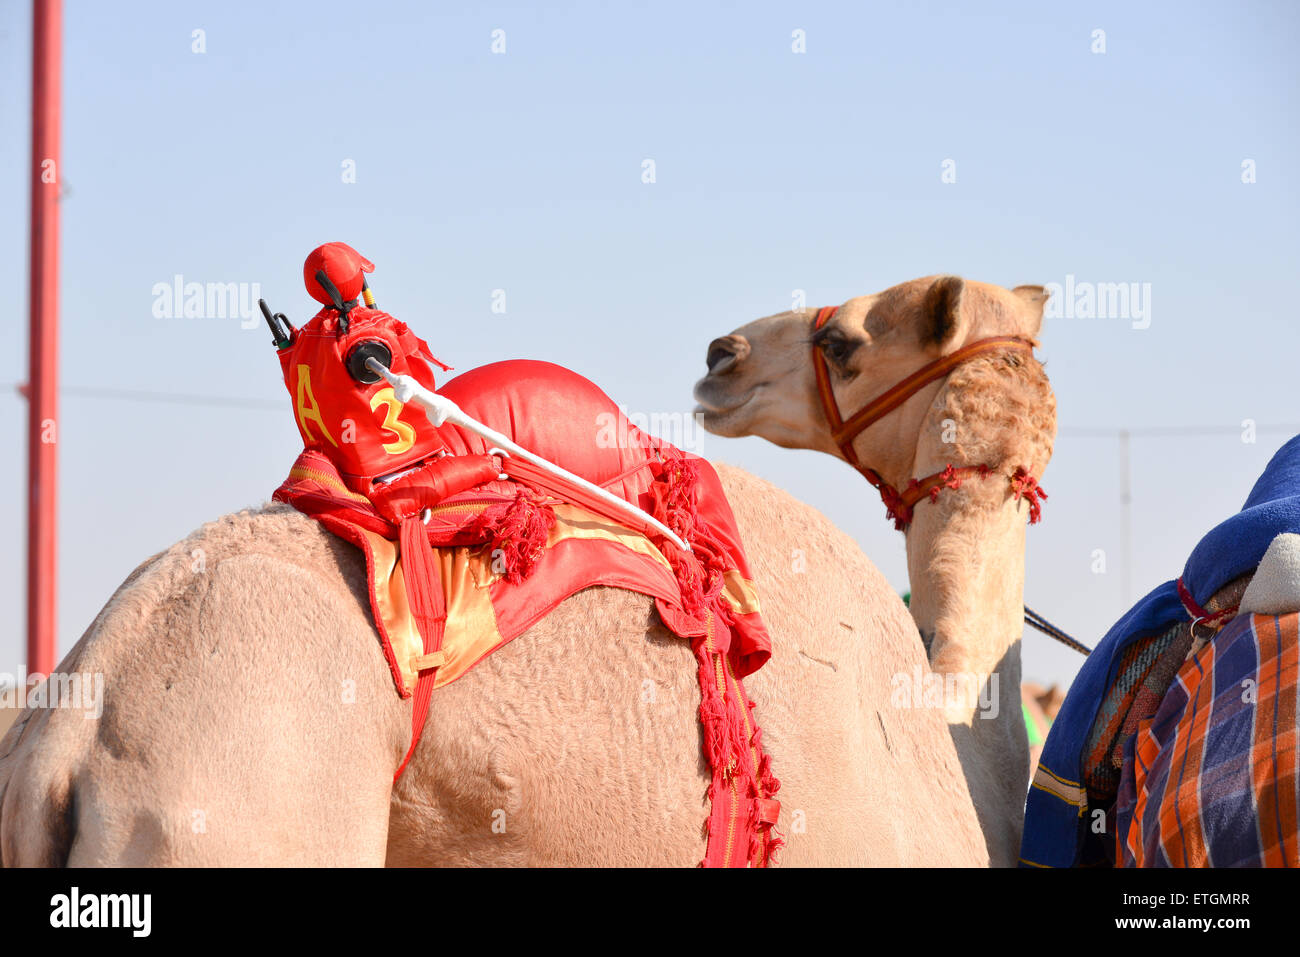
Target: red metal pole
[(43, 381)]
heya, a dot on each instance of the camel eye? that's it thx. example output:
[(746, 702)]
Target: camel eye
[(837, 351)]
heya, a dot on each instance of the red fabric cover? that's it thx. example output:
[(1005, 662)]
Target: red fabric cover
[(554, 412), (567, 419), (343, 265), (334, 412)]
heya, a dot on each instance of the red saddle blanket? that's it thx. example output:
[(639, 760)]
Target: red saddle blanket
[(461, 561)]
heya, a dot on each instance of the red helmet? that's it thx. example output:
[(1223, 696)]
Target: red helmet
[(344, 267)]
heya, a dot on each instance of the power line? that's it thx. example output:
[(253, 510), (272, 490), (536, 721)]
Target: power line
[(1156, 431), (233, 402), (169, 398), (174, 398), (1126, 470)]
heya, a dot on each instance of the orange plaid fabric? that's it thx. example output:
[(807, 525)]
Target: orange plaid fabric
[(1212, 780)]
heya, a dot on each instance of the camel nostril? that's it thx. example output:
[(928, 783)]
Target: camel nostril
[(717, 353), (725, 353)]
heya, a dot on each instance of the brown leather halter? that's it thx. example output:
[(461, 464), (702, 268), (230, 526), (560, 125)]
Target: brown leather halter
[(899, 505)]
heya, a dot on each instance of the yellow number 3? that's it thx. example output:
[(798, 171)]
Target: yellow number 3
[(392, 408)]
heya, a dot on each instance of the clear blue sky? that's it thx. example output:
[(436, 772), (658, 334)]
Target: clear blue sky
[(775, 171)]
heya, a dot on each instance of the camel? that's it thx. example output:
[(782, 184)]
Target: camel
[(249, 718), (1041, 706), (965, 549)]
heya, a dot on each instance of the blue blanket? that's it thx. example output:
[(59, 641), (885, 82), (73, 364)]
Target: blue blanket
[(1056, 818)]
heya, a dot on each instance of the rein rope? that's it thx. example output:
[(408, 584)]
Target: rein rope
[(1035, 620), (900, 506)]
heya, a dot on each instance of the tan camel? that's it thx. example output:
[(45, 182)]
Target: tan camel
[(1040, 708), (250, 719), (965, 550)]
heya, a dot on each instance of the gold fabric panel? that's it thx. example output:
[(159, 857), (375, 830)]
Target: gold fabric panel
[(389, 590), (471, 620), (466, 575)]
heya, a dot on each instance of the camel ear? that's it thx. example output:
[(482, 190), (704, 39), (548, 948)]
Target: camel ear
[(1035, 298), (943, 321)]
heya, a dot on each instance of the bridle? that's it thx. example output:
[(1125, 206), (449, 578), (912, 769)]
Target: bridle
[(899, 505)]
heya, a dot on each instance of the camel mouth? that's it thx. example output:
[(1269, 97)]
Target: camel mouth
[(718, 406), (714, 398)]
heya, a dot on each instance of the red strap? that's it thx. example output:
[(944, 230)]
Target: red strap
[(844, 431), (884, 404), (899, 506), (1199, 614), (429, 609), (829, 405), (547, 481), (930, 486)]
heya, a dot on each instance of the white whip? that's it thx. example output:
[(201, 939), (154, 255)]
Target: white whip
[(441, 409)]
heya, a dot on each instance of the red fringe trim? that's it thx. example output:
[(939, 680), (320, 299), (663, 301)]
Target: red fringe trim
[(516, 533), (674, 495)]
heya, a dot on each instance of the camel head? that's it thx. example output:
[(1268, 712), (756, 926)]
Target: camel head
[(992, 409)]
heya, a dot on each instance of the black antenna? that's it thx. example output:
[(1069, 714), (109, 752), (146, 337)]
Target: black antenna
[(281, 335)]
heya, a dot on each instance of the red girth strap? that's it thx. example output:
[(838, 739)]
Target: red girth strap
[(899, 505), (424, 594)]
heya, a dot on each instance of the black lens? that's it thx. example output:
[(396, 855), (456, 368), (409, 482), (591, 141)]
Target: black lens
[(367, 349)]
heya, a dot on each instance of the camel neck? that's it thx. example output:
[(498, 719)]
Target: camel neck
[(966, 564), (965, 557)]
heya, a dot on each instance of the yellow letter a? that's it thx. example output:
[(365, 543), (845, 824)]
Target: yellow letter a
[(308, 410)]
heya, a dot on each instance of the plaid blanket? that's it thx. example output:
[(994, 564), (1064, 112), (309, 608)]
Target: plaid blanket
[(1146, 671), (1211, 780), (1060, 811)]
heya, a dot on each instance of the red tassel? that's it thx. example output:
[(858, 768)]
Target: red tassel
[(1024, 485), (895, 507), (713, 712), (516, 534), (675, 495)]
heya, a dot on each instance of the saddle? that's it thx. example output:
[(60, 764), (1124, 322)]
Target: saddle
[(469, 549)]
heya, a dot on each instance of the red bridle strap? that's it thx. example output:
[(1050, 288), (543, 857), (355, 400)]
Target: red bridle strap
[(899, 505)]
